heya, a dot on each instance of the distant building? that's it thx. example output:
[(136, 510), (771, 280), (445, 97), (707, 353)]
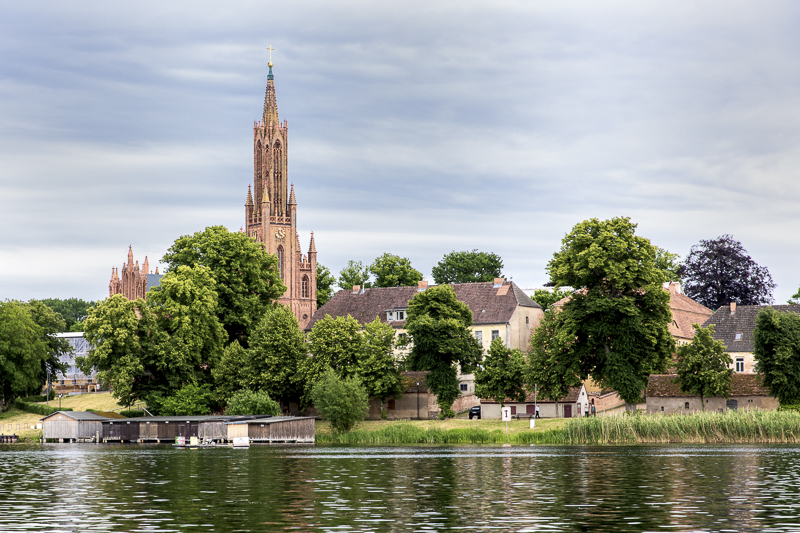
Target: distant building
[(132, 282), (734, 326), (664, 395), (73, 380)]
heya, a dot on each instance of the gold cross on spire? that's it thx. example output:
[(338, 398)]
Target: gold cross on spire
[(270, 55)]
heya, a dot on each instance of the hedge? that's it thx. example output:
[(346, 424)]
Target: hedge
[(132, 413), (44, 410)]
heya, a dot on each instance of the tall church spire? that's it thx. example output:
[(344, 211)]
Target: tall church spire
[(270, 102)]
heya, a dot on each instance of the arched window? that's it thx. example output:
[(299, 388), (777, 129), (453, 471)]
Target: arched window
[(304, 286), (280, 260), (277, 166), (259, 183)]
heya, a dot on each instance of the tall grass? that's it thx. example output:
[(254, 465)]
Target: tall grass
[(743, 426), (404, 433)]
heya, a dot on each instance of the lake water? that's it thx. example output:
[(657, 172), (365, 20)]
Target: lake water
[(86, 487)]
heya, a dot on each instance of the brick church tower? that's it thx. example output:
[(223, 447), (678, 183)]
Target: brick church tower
[(271, 213)]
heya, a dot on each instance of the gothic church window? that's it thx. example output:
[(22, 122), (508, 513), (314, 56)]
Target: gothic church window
[(280, 260), (304, 284)]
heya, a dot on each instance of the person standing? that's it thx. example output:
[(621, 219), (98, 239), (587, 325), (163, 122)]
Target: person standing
[(586, 411), (537, 412), (594, 411)]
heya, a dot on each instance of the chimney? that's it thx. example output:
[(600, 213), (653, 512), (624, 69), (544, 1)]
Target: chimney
[(733, 308), (422, 285), (356, 289)]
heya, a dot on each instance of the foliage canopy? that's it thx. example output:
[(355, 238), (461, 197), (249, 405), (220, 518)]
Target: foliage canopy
[(325, 283), (394, 271), (703, 366), (467, 267), (777, 354), (248, 402), (354, 273), (502, 374), (342, 401)]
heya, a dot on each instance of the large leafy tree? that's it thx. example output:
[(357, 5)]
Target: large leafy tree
[(247, 277), (354, 273), (617, 324), (325, 283), (551, 366), (719, 271), (669, 264), (23, 351), (467, 267), (276, 354), (703, 367), (502, 374), (232, 373), (342, 401), (185, 305), (51, 323), (777, 353), (394, 271), (73, 310), (439, 326), (334, 343), (546, 298), (126, 349), (378, 368)]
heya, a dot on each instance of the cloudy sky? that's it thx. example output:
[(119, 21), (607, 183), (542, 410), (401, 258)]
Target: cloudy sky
[(415, 128)]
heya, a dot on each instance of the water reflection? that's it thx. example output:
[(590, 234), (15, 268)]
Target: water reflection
[(466, 488)]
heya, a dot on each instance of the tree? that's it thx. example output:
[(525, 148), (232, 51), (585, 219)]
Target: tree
[(22, 351), (703, 366), (277, 351), (394, 271), (190, 400), (547, 298), (247, 402), (342, 401), (73, 310), (247, 277), (616, 326), (325, 283), (795, 299), (125, 349), (334, 343), (719, 271), (377, 367), (185, 305), (355, 273), (669, 264), (51, 323), (777, 354), (439, 326), (502, 374), (467, 267), (232, 373), (551, 366)]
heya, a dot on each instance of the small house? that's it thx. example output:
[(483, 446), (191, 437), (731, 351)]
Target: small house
[(274, 429), (73, 426), (571, 405)]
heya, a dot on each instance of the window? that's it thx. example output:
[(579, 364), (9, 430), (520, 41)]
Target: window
[(495, 334), (740, 364), (280, 260), (738, 337), (686, 406), (527, 320), (401, 315), (464, 387), (304, 286), (389, 315), (479, 336), (662, 407), (391, 405)]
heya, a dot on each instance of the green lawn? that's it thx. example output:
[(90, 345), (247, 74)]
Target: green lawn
[(515, 426)]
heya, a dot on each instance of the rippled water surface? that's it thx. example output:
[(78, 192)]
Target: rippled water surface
[(85, 487)]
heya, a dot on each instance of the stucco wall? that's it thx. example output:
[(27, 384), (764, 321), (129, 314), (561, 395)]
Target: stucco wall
[(749, 361), (404, 408), (677, 404)]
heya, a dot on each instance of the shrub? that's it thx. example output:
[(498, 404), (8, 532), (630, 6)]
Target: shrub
[(343, 402), (247, 402), (37, 409), (132, 413), (39, 398), (190, 400)]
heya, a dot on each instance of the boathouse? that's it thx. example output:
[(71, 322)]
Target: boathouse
[(274, 429), (73, 426)]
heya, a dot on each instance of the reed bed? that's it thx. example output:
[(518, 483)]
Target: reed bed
[(742, 426), (404, 433)]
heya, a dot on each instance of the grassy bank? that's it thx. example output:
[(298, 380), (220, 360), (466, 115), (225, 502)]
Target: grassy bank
[(754, 427)]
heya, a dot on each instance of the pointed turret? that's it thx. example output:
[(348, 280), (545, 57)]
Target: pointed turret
[(145, 267), (292, 201), (312, 249), (130, 254), (249, 196), (270, 102)]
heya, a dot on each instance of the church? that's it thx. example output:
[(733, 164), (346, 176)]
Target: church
[(271, 213), (270, 218)]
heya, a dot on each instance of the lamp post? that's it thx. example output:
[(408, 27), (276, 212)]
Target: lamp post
[(417, 399)]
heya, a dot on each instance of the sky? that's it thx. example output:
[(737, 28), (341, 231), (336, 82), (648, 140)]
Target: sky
[(415, 128)]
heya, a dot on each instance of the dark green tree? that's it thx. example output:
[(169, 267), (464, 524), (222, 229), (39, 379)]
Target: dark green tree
[(777, 354), (334, 343), (232, 373), (73, 310), (190, 400), (551, 368), (277, 352), (703, 366), (467, 267), (619, 318), (247, 402), (247, 277), (394, 271), (325, 283), (502, 374), (354, 273), (342, 401), (51, 323), (546, 298), (378, 368), (439, 327), (23, 352)]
